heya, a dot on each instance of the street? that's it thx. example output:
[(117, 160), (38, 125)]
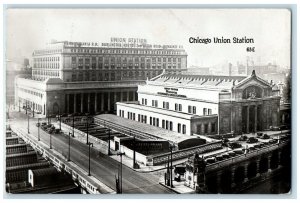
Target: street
[(103, 167)]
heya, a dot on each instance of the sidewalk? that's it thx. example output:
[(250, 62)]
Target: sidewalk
[(178, 187)]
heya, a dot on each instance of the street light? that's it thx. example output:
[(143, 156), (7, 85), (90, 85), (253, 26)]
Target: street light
[(69, 154), (90, 157), (87, 129), (121, 182), (134, 164), (39, 129), (109, 142), (50, 140), (28, 124), (171, 171)]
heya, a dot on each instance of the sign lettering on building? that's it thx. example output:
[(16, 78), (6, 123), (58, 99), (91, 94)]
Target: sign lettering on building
[(171, 92)]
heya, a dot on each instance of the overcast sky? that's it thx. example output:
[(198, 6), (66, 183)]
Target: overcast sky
[(29, 29)]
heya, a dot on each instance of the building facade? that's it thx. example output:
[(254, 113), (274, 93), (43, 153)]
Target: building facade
[(76, 77), (204, 105)]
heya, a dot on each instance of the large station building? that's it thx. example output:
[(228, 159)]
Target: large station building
[(76, 77), (200, 105)]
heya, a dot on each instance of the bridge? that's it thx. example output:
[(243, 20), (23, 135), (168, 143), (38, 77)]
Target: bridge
[(235, 174), (88, 184)]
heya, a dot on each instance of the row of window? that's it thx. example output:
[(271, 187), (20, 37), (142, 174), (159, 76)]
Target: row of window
[(167, 125), (154, 121), (181, 128), (47, 51), (45, 73), (126, 51), (82, 60), (42, 59), (120, 66), (46, 65), (178, 107), (31, 92)]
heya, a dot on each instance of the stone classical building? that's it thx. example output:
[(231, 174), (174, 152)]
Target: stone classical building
[(76, 77), (191, 104)]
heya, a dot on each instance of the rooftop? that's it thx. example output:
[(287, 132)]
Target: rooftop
[(145, 128)]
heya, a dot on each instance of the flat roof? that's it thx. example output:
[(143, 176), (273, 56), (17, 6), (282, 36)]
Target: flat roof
[(144, 128)]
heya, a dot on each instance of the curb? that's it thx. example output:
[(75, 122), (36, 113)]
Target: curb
[(169, 188)]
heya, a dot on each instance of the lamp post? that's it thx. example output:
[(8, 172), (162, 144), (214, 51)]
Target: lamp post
[(121, 181), (171, 171), (39, 129), (28, 124), (50, 140), (87, 129), (133, 150), (19, 105), (69, 152), (90, 157), (109, 142), (26, 107)]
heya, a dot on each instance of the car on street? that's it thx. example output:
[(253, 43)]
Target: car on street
[(252, 140), (234, 145), (265, 136), (243, 138)]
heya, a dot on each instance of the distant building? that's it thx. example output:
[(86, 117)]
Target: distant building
[(76, 77), (196, 70), (190, 104)]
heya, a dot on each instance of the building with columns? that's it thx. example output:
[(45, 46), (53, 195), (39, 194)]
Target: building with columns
[(205, 104), (80, 77)]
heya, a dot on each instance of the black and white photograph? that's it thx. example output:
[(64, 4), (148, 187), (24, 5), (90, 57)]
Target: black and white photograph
[(147, 100)]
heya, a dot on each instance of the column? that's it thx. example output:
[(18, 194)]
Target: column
[(279, 159), (127, 99), (133, 97), (81, 102), (68, 104), (89, 102), (115, 100), (247, 129), (219, 182), (255, 118), (121, 95), (269, 163), (232, 177), (102, 102), (246, 172), (96, 102), (75, 103), (108, 101), (257, 167)]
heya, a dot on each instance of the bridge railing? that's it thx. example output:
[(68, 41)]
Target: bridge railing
[(241, 157), (90, 184), (184, 153)]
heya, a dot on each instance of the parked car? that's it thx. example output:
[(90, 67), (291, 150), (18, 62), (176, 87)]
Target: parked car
[(219, 157), (234, 145), (238, 151), (232, 153), (243, 138), (43, 124), (252, 140), (273, 141), (37, 124), (210, 160), (226, 156), (57, 131), (265, 136), (259, 134)]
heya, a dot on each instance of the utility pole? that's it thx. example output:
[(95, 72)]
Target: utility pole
[(90, 157), (121, 181), (87, 130), (134, 165), (33, 110), (50, 141), (28, 124), (73, 126), (39, 129), (69, 154), (109, 142), (26, 107), (171, 171)]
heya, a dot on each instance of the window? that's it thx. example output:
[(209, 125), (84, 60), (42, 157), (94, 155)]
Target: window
[(171, 125), (189, 109), (183, 129), (167, 125), (139, 117), (176, 107), (180, 107), (204, 111), (163, 123), (179, 128), (145, 101), (154, 121), (194, 110), (209, 112), (157, 122)]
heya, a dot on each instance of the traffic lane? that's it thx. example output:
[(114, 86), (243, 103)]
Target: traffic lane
[(133, 182)]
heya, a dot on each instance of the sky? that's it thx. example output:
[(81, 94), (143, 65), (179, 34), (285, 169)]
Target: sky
[(29, 29)]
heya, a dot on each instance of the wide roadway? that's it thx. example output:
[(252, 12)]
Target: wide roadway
[(103, 167)]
